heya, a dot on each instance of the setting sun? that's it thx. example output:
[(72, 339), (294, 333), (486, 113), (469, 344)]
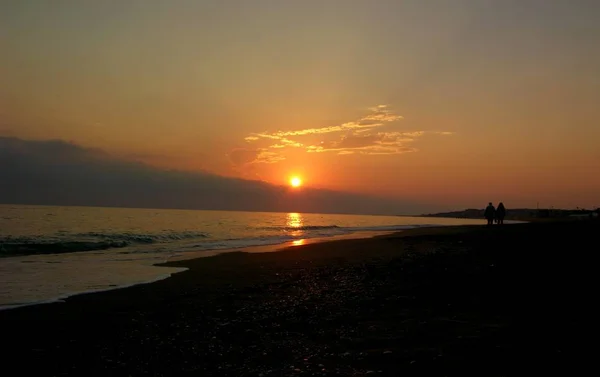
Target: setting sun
[(295, 182)]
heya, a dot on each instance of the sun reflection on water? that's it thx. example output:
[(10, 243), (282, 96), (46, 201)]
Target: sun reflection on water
[(294, 220), (294, 224), (299, 242)]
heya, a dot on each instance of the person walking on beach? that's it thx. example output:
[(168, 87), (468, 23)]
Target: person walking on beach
[(490, 213), (500, 213)]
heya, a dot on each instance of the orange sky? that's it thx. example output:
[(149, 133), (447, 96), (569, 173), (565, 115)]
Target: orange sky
[(454, 103)]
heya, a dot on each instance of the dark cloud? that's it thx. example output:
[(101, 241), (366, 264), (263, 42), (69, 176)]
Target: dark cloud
[(62, 173)]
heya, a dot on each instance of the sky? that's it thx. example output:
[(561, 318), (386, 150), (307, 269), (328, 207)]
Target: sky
[(450, 103)]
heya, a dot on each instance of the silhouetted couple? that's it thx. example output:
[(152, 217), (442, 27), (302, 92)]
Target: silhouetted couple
[(497, 214)]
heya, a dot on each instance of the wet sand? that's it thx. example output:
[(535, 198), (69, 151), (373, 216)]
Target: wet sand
[(500, 301)]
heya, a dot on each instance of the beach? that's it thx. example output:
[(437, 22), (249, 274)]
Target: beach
[(48, 253), (462, 300)]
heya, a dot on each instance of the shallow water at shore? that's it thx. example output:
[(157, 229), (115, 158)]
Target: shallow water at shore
[(120, 247), (37, 279)]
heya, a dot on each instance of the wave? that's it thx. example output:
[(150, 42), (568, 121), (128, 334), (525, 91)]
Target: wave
[(347, 229), (298, 228), (90, 241), (144, 238), (193, 241), (237, 243), (333, 230), (29, 248)]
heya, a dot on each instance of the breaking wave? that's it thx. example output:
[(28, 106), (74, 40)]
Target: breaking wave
[(299, 228), (28, 248), (144, 238), (90, 241)]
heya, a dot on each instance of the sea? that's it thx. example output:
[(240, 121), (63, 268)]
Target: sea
[(48, 253)]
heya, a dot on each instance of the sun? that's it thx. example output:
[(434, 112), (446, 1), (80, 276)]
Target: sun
[(295, 182)]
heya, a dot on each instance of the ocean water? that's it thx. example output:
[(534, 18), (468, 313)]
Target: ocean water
[(48, 253)]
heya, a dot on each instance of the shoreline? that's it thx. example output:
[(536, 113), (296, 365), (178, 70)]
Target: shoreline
[(276, 247), (185, 256), (464, 300), (184, 260), (209, 253)]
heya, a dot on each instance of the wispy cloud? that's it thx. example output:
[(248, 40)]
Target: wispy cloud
[(281, 141), (241, 157), (377, 117), (265, 157), (380, 143), (365, 135)]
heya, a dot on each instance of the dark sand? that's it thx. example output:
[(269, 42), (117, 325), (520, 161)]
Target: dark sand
[(499, 301)]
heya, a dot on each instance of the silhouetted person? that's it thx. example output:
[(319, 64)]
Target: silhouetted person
[(490, 214), (500, 213)]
